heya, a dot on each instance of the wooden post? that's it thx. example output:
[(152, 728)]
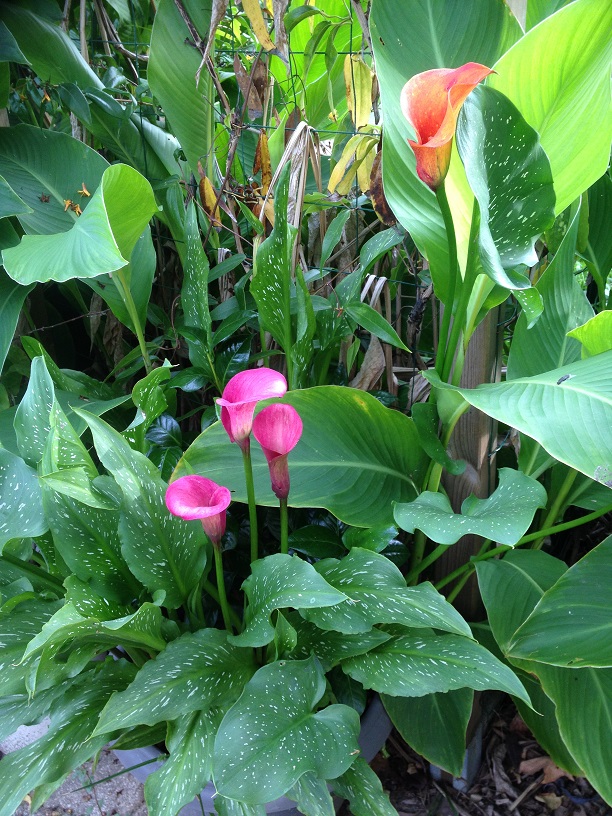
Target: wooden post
[(473, 440)]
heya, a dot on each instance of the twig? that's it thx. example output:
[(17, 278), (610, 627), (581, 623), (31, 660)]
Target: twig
[(525, 793)]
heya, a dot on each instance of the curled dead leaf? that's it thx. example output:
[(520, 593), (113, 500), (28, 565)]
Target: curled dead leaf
[(377, 193)]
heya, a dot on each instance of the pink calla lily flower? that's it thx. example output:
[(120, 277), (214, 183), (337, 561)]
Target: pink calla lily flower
[(431, 102), (278, 429), (194, 497), (241, 395)]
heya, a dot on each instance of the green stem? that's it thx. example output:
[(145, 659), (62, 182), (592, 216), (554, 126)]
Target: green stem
[(128, 300), (467, 284), (284, 526), (425, 562), (211, 589), (453, 274), (526, 539), (555, 509), (250, 488), (225, 608), (457, 589)]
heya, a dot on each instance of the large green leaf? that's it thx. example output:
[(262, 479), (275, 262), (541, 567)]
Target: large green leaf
[(510, 176), (163, 551), (21, 508), (276, 582), (173, 63), (188, 769), (423, 663), (274, 727), (195, 672), (434, 725), (38, 163), (564, 92), (545, 345), (100, 241), (10, 202), (504, 516), (377, 593), (568, 411), (67, 743), (449, 35), (583, 700), (355, 457), (512, 586), (572, 624)]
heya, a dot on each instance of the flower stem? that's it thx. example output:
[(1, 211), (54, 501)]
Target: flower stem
[(453, 274), (211, 589), (225, 609), (284, 526), (250, 488)]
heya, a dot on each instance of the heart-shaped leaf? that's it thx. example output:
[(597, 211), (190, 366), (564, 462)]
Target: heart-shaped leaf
[(100, 241), (423, 663), (278, 581), (273, 735), (344, 460), (510, 176), (377, 593), (195, 672), (504, 516)]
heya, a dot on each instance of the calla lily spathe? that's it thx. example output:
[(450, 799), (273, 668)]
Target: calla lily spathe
[(241, 395), (194, 497), (431, 102), (278, 429)]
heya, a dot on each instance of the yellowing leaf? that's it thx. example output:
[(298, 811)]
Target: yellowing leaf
[(358, 82), (208, 197), (253, 12)]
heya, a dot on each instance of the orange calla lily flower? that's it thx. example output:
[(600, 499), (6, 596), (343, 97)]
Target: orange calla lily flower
[(431, 102)]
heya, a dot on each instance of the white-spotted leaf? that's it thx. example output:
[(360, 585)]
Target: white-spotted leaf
[(278, 581), (377, 593), (195, 672), (504, 516), (273, 734)]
